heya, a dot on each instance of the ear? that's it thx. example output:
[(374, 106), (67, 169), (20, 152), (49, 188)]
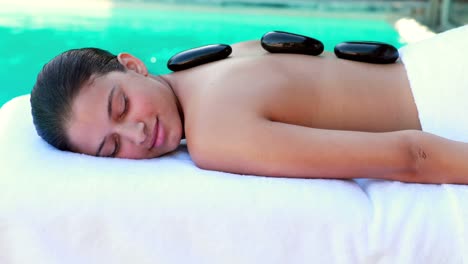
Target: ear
[(132, 63)]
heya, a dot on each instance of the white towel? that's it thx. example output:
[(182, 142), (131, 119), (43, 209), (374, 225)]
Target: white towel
[(437, 69), (59, 207)]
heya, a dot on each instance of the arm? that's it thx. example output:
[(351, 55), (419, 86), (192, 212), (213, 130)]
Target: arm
[(264, 147), (278, 149)]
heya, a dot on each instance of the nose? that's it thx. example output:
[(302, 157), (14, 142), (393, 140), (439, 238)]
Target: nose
[(133, 131)]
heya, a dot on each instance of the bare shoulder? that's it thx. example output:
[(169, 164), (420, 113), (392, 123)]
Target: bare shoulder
[(229, 101), (217, 125)]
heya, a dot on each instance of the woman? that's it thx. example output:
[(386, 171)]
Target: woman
[(253, 113)]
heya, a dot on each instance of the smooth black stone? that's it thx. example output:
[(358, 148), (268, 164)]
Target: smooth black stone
[(198, 56), (367, 51), (284, 42)]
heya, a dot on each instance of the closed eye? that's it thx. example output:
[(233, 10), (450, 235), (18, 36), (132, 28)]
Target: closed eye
[(125, 108)]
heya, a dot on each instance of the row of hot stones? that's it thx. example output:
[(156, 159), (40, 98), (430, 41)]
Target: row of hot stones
[(285, 42)]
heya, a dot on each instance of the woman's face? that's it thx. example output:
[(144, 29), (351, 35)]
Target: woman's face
[(125, 114)]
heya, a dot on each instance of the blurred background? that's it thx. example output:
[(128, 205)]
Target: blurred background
[(34, 31)]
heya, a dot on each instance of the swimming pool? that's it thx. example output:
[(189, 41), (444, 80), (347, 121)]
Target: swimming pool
[(29, 37)]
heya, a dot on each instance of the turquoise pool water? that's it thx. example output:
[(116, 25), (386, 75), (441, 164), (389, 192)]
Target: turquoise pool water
[(154, 33)]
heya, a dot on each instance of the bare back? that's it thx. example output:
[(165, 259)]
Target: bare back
[(317, 92)]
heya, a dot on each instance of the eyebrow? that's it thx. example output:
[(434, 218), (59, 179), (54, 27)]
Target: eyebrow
[(109, 114)]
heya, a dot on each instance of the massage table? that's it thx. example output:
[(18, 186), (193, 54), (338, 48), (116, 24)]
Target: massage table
[(61, 207)]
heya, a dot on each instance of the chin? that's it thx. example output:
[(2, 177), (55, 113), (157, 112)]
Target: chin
[(173, 141)]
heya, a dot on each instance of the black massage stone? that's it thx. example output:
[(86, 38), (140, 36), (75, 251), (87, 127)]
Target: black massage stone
[(198, 56), (284, 42), (367, 51)]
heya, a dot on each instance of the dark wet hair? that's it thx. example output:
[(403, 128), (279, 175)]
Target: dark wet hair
[(58, 84)]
